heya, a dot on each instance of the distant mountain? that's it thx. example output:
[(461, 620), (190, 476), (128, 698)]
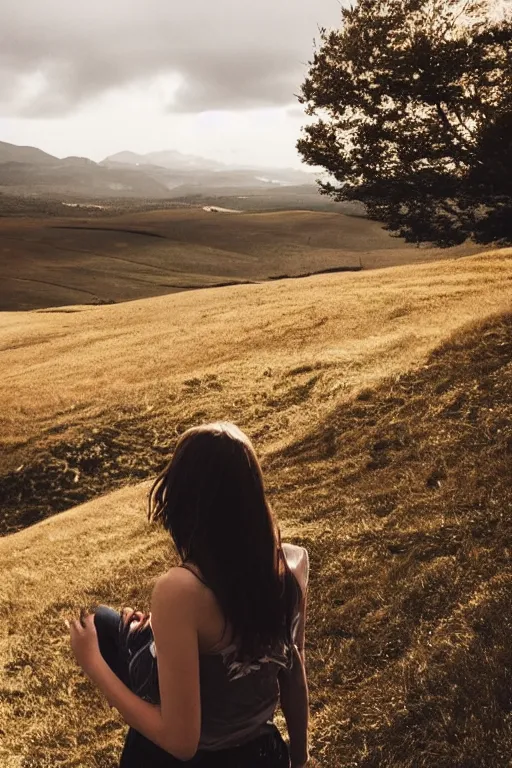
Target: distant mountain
[(157, 175), (30, 171), (189, 174), (125, 158), (168, 158), (77, 161), (175, 161), (13, 153)]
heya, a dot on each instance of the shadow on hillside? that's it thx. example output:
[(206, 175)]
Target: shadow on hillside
[(74, 471), (410, 489), (457, 386)]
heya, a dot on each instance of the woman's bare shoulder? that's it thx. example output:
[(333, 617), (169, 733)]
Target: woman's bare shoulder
[(175, 593), (177, 581)]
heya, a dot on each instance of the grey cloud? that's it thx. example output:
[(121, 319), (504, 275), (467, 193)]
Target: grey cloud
[(239, 79), (231, 54)]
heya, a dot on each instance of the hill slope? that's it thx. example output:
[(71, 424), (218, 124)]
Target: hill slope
[(77, 178), (402, 495), (57, 262), (112, 380), (13, 153)]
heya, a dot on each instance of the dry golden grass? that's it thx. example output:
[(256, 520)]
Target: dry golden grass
[(88, 391), (387, 451)]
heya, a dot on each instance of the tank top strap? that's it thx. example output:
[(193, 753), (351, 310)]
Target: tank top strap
[(193, 569)]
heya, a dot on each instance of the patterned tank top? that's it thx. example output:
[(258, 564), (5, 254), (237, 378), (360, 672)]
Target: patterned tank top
[(238, 700)]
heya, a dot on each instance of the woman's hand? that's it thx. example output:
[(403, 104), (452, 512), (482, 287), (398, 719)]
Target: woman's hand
[(299, 759), (136, 619), (84, 642)]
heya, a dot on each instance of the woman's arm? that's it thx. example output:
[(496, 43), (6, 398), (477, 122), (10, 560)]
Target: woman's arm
[(298, 561), (175, 724), (294, 699), (175, 621), (139, 714)]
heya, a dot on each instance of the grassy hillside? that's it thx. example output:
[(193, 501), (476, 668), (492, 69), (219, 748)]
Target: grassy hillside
[(402, 496), (92, 397), (58, 262), (380, 404)]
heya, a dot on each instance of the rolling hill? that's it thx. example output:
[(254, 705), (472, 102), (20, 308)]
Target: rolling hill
[(76, 178), (380, 404), (56, 262), (127, 368), (13, 153)]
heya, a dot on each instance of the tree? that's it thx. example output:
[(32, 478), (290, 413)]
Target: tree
[(413, 107)]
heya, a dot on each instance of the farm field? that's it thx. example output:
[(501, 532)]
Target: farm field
[(96, 258)]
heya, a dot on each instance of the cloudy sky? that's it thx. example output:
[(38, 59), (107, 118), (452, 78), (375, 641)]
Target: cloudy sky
[(211, 78)]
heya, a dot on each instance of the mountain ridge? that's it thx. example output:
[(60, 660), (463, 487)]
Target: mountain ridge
[(29, 170), (24, 154), (170, 159)]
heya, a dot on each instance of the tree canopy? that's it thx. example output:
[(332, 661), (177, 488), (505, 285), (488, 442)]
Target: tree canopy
[(413, 108)]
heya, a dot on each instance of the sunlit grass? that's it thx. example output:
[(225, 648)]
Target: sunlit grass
[(386, 449)]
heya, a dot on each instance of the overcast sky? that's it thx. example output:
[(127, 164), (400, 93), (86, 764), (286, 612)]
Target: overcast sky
[(215, 78)]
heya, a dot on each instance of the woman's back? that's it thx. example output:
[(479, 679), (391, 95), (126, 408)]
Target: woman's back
[(225, 628), (214, 634), (238, 700)]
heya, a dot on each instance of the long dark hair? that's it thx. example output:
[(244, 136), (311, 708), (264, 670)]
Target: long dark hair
[(211, 499)]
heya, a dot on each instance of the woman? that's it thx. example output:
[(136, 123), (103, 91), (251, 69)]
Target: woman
[(199, 679)]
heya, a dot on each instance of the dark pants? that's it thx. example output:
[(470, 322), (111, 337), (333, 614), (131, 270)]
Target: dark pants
[(269, 751)]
